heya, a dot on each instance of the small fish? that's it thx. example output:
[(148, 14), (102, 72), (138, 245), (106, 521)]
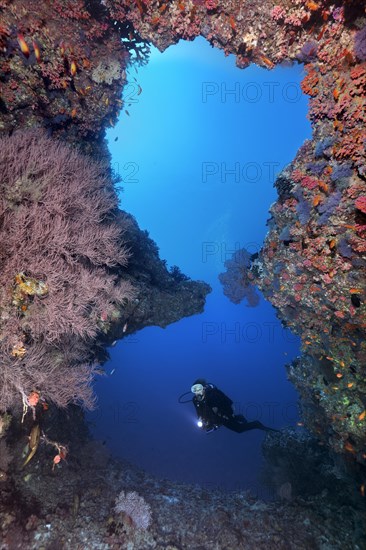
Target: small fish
[(349, 447), (127, 113), (266, 61), (362, 416), (362, 490), (107, 101), (112, 371), (113, 343), (73, 68), (34, 439), (37, 51), (232, 22), (141, 7), (23, 45), (336, 93), (116, 138), (312, 6), (139, 90), (322, 30), (124, 327)]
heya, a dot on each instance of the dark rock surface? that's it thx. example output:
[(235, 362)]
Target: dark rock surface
[(163, 295)]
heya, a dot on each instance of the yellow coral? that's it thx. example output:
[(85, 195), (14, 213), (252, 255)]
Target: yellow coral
[(27, 286), (18, 350)]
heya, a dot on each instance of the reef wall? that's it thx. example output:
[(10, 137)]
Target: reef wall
[(63, 67), (312, 264), (76, 272)]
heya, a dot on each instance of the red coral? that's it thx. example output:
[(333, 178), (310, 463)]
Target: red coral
[(309, 84), (278, 12), (360, 203), (309, 182), (358, 75)]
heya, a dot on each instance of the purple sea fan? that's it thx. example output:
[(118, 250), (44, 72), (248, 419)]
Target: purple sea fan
[(308, 52), (344, 248), (322, 146), (235, 279), (303, 207), (328, 207), (316, 167), (135, 507), (360, 44), (341, 171)]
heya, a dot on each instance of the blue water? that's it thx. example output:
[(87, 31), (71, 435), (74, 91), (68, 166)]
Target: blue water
[(198, 154)]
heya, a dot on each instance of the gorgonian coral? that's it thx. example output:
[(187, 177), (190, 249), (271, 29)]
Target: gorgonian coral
[(360, 44), (235, 280), (61, 255)]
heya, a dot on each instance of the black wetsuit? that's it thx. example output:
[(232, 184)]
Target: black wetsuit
[(215, 409)]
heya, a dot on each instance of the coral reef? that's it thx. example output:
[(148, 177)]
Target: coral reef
[(321, 472), (60, 255), (235, 280), (62, 68), (35, 513), (311, 267), (135, 507), (64, 278), (162, 297)]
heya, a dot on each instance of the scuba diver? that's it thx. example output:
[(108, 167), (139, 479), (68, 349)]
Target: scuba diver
[(215, 409)]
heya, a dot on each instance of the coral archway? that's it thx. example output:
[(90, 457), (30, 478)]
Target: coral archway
[(65, 70)]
